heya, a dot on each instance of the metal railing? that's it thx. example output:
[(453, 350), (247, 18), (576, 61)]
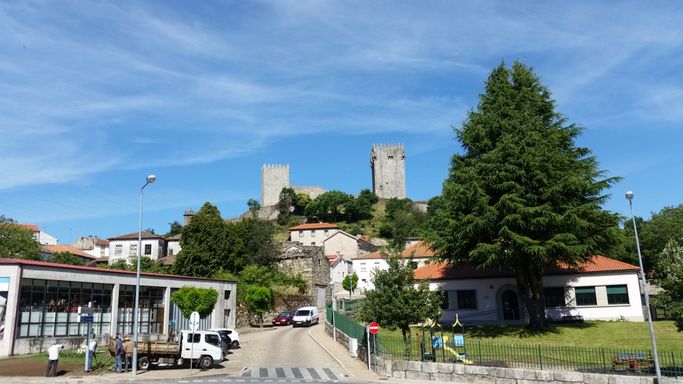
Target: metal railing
[(346, 325)]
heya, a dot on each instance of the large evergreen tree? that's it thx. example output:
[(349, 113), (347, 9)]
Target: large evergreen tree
[(203, 244), (523, 195)]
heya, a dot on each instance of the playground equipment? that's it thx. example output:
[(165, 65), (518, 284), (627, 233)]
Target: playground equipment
[(454, 344)]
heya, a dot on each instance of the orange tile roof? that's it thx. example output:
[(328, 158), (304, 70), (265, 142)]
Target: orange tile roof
[(30, 227), (443, 271), (313, 226), (373, 255), (66, 248), (417, 251), (134, 236)]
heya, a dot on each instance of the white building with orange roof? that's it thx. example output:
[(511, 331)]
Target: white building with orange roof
[(312, 234), (599, 289), (365, 265), (63, 248), (43, 238)]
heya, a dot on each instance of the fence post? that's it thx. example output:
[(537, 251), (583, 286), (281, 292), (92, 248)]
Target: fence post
[(540, 356), (604, 361), (479, 354)]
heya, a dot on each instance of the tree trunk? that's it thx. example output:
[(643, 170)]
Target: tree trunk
[(530, 286)]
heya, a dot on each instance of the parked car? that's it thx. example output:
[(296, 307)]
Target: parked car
[(306, 316), (232, 335), (226, 341), (284, 318)]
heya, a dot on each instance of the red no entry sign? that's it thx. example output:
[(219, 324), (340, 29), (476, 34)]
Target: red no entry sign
[(373, 328)]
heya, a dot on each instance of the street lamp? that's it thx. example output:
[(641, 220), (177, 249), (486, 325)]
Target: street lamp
[(629, 197), (136, 315)]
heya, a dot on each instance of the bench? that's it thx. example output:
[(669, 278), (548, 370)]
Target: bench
[(572, 319), (633, 361)]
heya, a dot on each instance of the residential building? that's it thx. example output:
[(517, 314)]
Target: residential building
[(42, 301), (93, 245), (312, 234), (43, 238), (125, 247), (598, 289), (365, 266), (339, 269), (348, 246), (173, 245), (49, 250)]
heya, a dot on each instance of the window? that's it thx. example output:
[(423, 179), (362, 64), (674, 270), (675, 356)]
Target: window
[(226, 295), (101, 252), (170, 251), (326, 232), (151, 309), (213, 339), (413, 264), (312, 242), (467, 299), (585, 296), (312, 233), (444, 300), (617, 294), (554, 297), (148, 249), (301, 233), (133, 250), (193, 337), (118, 250)]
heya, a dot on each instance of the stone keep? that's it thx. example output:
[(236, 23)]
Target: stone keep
[(387, 162), (274, 177)]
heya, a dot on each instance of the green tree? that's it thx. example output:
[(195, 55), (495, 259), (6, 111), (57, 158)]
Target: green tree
[(120, 264), (258, 300), (329, 207), (361, 207), (192, 299), (254, 207), (655, 233), (396, 301), (147, 264), (17, 242), (203, 244), (350, 282), (175, 228), (522, 196), (286, 205), (259, 244), (65, 258), (671, 281)]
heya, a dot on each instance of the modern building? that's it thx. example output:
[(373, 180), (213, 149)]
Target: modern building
[(42, 301), (599, 289)]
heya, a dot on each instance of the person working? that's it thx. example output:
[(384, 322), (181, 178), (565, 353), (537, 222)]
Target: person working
[(53, 359)]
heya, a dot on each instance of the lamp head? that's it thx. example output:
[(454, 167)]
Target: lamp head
[(151, 179), (629, 195)]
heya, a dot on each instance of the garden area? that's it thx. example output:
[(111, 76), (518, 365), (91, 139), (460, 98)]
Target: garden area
[(71, 363)]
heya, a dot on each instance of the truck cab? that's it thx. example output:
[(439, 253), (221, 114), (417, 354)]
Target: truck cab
[(202, 346)]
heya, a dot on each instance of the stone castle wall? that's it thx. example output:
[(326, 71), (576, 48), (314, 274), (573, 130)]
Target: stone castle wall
[(274, 177), (387, 162)]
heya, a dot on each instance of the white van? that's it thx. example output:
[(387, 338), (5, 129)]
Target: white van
[(306, 316)]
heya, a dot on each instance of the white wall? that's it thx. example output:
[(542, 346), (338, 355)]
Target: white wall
[(341, 243), (125, 249), (172, 247), (365, 269), (46, 239), (488, 297), (311, 236)]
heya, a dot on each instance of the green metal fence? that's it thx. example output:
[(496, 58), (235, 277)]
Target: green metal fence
[(440, 347)]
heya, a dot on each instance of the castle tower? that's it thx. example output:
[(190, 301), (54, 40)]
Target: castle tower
[(387, 162), (189, 214), (274, 177)]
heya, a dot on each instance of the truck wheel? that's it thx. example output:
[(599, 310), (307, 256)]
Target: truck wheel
[(143, 363), (205, 362)]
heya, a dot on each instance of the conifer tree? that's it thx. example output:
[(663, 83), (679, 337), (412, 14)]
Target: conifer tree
[(522, 196)]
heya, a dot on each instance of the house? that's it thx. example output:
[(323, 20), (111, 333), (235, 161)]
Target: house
[(598, 289), (340, 267), (312, 234), (348, 246), (173, 245), (42, 301), (93, 245), (49, 250), (125, 247), (310, 263), (41, 237), (365, 266)]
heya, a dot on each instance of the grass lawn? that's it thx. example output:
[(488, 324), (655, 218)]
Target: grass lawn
[(592, 334)]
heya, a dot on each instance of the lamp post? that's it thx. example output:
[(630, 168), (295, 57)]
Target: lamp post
[(629, 197), (136, 314)]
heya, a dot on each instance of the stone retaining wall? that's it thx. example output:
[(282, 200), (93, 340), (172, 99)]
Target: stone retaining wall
[(460, 373)]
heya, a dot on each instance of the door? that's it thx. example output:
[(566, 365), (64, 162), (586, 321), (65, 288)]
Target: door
[(510, 305)]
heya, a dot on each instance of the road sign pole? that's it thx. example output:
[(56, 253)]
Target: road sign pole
[(368, 333), (194, 325)]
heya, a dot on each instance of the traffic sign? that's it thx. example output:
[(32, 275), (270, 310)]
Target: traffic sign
[(194, 321), (86, 319), (373, 328)]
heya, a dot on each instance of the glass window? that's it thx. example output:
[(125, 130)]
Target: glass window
[(554, 297), (444, 300), (212, 339), (118, 250), (148, 249), (467, 299), (133, 250), (617, 294), (151, 309), (585, 296), (312, 233), (226, 295), (301, 233), (193, 337)]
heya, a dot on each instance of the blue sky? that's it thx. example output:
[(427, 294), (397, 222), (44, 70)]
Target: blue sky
[(95, 96)]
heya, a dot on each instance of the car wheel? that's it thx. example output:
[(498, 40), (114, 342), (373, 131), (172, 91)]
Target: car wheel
[(235, 344), (205, 362), (143, 363)]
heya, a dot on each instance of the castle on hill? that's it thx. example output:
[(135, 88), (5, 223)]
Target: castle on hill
[(387, 164)]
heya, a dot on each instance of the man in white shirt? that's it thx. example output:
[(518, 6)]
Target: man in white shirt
[(53, 358), (92, 347)]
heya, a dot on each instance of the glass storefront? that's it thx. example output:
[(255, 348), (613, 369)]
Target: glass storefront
[(49, 308), (151, 310)]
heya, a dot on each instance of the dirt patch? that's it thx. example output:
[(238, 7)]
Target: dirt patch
[(23, 366)]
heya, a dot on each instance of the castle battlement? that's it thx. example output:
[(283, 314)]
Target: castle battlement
[(387, 162)]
